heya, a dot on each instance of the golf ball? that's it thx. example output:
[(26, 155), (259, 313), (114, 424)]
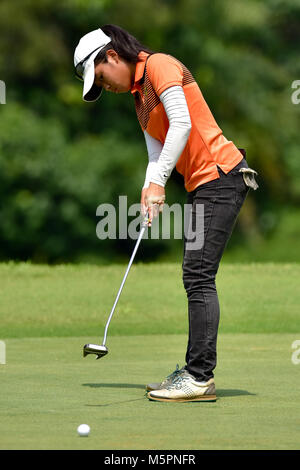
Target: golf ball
[(83, 430)]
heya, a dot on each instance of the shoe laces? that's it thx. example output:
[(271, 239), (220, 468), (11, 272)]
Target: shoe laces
[(172, 376), (175, 373), (178, 382)]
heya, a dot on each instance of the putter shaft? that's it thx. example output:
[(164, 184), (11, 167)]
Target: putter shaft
[(144, 225)]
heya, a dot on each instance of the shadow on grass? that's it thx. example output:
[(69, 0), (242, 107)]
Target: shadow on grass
[(228, 392), (115, 385), (118, 402), (221, 393)]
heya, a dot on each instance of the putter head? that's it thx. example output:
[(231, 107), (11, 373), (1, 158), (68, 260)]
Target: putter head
[(100, 351)]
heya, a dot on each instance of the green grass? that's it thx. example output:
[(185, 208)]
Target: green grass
[(72, 300), (47, 389)]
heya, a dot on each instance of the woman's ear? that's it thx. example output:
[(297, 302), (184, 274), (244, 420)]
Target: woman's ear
[(112, 55)]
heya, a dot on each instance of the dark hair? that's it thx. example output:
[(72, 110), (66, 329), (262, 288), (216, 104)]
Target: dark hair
[(126, 45)]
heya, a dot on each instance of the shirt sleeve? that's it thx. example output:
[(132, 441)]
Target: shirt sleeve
[(154, 148), (175, 105), (164, 72)]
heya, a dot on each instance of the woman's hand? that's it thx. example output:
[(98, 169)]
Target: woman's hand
[(152, 200)]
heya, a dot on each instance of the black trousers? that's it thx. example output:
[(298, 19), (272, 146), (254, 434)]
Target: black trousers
[(219, 201)]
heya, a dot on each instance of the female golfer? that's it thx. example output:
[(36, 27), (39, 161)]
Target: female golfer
[(180, 131)]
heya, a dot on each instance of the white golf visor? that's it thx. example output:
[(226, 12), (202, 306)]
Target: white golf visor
[(88, 48), (90, 92)]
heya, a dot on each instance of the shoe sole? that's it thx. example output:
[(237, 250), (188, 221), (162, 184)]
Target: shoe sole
[(182, 400)]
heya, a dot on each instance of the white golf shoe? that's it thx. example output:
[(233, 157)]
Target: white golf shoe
[(184, 389)]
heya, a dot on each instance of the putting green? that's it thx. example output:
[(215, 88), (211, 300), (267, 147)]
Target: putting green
[(48, 389)]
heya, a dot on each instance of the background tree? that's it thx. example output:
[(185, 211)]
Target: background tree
[(60, 157)]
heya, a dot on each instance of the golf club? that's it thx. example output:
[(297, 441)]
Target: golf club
[(101, 350)]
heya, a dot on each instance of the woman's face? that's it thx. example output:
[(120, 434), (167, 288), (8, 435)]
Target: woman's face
[(115, 75)]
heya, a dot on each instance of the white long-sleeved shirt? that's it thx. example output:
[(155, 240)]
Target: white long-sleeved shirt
[(163, 157)]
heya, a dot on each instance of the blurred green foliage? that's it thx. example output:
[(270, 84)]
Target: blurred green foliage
[(60, 157)]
